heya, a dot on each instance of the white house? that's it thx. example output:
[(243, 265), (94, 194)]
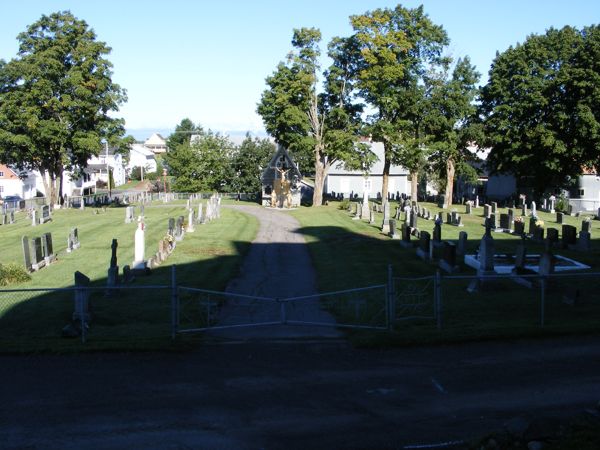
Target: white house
[(156, 143), (13, 182), (347, 182), (141, 156), (98, 166)]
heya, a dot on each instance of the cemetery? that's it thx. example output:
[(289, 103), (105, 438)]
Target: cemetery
[(136, 244)]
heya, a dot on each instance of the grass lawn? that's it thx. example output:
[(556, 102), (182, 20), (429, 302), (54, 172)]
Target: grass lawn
[(352, 253), (207, 258)]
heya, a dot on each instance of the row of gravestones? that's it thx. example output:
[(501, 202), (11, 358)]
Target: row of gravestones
[(38, 252), (8, 218), (41, 215)]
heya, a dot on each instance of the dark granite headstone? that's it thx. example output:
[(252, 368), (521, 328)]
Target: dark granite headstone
[(569, 235)]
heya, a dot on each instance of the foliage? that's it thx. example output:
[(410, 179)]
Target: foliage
[(203, 165), (182, 134), (398, 50), (248, 162), (450, 123), (56, 99), (12, 274), (540, 107), (318, 129)]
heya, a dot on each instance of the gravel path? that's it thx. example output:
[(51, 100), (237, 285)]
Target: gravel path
[(278, 266)]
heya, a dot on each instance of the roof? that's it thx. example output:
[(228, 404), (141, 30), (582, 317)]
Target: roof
[(281, 160), (143, 150), (156, 140)]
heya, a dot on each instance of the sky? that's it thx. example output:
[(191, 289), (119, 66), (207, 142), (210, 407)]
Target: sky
[(208, 60)]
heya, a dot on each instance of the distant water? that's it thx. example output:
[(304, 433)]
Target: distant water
[(235, 136)]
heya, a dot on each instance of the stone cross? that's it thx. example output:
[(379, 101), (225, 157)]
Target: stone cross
[(113, 255)]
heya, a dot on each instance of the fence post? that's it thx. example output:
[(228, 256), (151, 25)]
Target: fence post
[(543, 302), (391, 314), (174, 302), (438, 298)]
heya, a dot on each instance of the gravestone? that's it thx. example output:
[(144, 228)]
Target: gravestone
[(34, 220), (486, 253), (45, 214), (128, 276), (437, 233), (505, 221), (4, 219), (559, 218), (569, 235), (448, 218), (139, 262), (200, 218), (73, 240), (142, 215), (178, 230), (494, 207), (441, 201), (385, 226), (365, 214), (190, 226), (129, 214), (82, 295), (493, 221), (586, 226), (26, 254), (112, 278), (524, 210), (552, 235), (487, 211), (393, 233), (37, 254), (424, 243), (461, 247), (414, 221), (533, 210), (405, 236), (552, 204), (511, 218), (448, 261), (47, 248), (11, 217), (171, 227), (468, 207), (477, 201), (584, 241)]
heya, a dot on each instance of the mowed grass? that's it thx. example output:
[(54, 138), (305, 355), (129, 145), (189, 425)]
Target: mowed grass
[(137, 318), (353, 253)]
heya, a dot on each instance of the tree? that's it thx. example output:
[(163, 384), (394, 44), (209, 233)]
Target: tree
[(450, 121), (541, 108), (302, 119), (182, 134), (56, 97), (249, 161), (202, 165), (397, 50)]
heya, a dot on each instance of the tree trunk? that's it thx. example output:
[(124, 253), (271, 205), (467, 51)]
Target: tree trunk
[(321, 169), (450, 169), (414, 185), (387, 163), (46, 182)]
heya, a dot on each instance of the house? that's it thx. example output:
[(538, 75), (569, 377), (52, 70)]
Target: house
[(342, 181), (585, 196), (141, 156), (156, 143), (13, 182)]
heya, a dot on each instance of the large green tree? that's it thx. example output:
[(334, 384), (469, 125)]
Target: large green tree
[(56, 97), (203, 164), (305, 120), (182, 134), (248, 162), (450, 122), (398, 49), (541, 107)]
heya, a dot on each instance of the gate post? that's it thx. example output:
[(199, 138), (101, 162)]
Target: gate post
[(174, 303), (391, 295), (437, 296)]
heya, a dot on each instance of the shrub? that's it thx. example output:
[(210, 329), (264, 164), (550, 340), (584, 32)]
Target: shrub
[(344, 204), (12, 274)]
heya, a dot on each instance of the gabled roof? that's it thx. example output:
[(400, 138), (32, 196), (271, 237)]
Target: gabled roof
[(143, 150), (280, 160), (156, 140)]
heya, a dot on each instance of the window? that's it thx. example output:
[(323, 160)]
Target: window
[(1, 174), (1, 189), (580, 192)]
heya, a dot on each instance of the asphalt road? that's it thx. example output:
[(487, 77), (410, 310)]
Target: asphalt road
[(292, 396)]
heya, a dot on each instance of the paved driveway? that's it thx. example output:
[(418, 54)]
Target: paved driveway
[(291, 396)]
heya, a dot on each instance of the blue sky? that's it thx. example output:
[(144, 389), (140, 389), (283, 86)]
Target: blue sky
[(208, 60)]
